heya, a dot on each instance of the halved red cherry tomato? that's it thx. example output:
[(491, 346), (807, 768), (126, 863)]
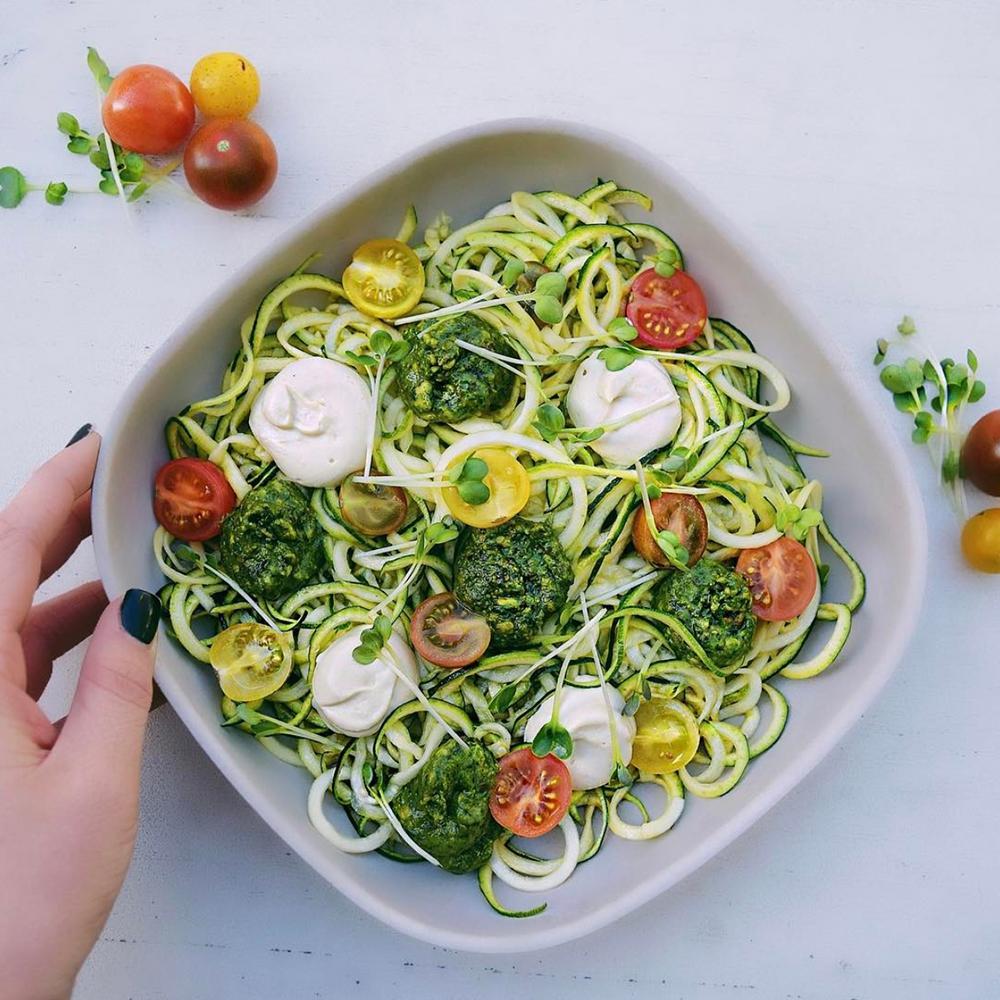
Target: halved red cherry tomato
[(371, 508), (668, 312), (148, 110), (676, 512), (191, 497), (446, 633), (782, 579), (531, 794)]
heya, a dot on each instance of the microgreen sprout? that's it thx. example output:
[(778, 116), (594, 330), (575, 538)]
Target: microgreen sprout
[(666, 262), (934, 393), (469, 481), (372, 640), (678, 462), (99, 68), (552, 738), (797, 521), (617, 359), (513, 270), (14, 188), (622, 328), (549, 421)]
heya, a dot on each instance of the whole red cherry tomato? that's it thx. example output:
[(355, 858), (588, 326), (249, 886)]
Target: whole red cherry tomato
[(148, 110)]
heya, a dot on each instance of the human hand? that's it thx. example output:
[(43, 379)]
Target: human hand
[(69, 790)]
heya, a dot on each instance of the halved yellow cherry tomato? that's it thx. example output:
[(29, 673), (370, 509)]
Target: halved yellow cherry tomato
[(252, 661), (509, 490), (385, 279), (666, 736)]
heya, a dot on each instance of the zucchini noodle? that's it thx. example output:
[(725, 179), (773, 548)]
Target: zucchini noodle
[(608, 634)]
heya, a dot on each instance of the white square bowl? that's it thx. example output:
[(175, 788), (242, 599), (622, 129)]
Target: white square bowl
[(871, 499)]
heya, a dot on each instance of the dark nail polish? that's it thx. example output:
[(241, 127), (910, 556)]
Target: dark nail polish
[(140, 613), (80, 434)]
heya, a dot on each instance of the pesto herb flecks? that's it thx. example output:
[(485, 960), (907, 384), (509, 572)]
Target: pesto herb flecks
[(439, 380), (272, 543), (446, 807), (714, 603), (514, 575)]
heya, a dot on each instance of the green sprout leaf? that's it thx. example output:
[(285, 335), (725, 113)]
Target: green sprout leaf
[(99, 68), (55, 193), (67, 124), (13, 187), (108, 186), (138, 191), (551, 285), (81, 145), (512, 271), (906, 326), (666, 262), (380, 341), (503, 699), (548, 310), (474, 469), (541, 745), (824, 573), (971, 360), (586, 436), (622, 328), (439, 533), (364, 654), (623, 775), (365, 360), (977, 391), (549, 421), (398, 350), (473, 493), (632, 705), (133, 167), (617, 358)]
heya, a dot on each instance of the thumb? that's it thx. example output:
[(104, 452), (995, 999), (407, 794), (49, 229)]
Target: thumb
[(107, 719)]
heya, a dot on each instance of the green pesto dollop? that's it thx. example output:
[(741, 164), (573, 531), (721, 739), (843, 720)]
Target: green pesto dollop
[(446, 807), (714, 603), (514, 575), (272, 543), (441, 381)]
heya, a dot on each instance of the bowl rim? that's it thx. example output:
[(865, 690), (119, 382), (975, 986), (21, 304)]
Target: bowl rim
[(911, 520)]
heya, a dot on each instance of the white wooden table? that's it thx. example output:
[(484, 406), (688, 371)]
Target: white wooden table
[(856, 144)]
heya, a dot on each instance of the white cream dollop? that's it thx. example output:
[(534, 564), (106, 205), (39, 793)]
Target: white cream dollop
[(355, 698), (314, 419), (583, 713), (599, 396)]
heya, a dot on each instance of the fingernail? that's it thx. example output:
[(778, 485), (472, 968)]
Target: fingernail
[(140, 614), (80, 434)]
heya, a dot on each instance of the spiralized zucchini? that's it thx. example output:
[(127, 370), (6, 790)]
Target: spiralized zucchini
[(729, 395)]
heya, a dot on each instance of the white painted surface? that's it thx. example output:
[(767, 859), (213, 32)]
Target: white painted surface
[(855, 144)]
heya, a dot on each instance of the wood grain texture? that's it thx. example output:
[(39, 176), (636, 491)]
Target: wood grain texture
[(855, 145)]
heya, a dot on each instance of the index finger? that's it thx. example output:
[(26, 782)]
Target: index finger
[(34, 519)]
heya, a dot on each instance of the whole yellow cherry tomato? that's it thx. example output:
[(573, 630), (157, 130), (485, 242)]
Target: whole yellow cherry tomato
[(508, 487), (252, 661), (384, 279), (666, 737), (225, 85), (981, 541)]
